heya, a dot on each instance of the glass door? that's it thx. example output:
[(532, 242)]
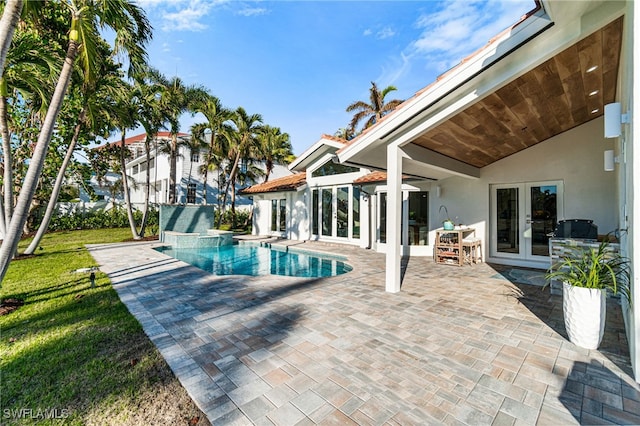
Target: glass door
[(414, 223), (523, 216), (336, 212)]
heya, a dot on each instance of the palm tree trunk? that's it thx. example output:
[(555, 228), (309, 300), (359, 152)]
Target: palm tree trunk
[(206, 169), (173, 160), (53, 198), (269, 167), (145, 213), (233, 204), (205, 175), (19, 218), (10, 17), (8, 157), (232, 176), (3, 225), (125, 189)]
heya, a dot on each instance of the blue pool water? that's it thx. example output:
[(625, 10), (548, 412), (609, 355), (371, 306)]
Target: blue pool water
[(254, 260)]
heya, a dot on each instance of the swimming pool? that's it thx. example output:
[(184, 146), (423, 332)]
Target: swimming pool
[(257, 260)]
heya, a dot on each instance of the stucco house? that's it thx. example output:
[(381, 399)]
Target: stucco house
[(510, 141), (189, 177)]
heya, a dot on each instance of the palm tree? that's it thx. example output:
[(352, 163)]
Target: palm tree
[(196, 144), (176, 99), (241, 142), (146, 97), (275, 147), (375, 110), (8, 23), (346, 133), (132, 32), (29, 75), (95, 95), (216, 116)]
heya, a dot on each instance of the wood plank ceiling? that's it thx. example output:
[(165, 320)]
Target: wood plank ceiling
[(564, 92)]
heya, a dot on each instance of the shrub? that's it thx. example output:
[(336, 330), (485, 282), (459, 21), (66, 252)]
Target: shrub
[(243, 220), (116, 217)]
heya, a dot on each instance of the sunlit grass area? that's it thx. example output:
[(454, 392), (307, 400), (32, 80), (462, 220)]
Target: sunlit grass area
[(73, 351)]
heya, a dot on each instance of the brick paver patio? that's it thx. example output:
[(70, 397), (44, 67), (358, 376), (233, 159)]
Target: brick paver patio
[(456, 346)]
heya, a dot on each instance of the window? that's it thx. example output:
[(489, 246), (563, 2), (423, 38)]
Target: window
[(135, 169), (283, 214), (419, 218), (274, 215), (330, 168), (195, 157), (316, 210), (191, 193), (327, 210), (355, 211), (152, 163), (342, 212)]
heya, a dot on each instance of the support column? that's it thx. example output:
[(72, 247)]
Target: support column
[(394, 213)]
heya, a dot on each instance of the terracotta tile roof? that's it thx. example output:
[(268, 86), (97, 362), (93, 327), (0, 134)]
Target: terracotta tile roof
[(140, 138), (285, 183), (334, 138), (374, 177)]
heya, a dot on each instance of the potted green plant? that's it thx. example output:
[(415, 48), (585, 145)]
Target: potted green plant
[(587, 274), (447, 224)]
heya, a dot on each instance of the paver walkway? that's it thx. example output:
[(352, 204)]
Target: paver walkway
[(455, 346)]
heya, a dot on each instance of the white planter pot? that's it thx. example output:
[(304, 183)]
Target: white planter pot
[(585, 310)]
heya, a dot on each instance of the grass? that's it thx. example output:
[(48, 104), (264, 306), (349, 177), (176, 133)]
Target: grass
[(74, 351)]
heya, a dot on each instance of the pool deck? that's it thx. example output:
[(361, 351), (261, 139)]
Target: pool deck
[(458, 345)]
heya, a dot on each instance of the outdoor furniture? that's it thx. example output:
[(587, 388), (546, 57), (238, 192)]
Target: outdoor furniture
[(472, 249), (449, 248)]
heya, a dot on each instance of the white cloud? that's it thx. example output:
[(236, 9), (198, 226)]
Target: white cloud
[(380, 34), (386, 32), (187, 18), (181, 15), (252, 11), (191, 15), (166, 47), (459, 28)]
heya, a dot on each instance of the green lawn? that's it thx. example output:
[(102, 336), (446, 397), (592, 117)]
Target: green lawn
[(75, 352)]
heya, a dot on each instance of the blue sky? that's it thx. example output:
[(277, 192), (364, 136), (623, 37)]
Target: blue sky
[(300, 63)]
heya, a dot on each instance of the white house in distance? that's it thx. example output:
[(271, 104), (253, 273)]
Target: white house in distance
[(510, 141), (188, 173)]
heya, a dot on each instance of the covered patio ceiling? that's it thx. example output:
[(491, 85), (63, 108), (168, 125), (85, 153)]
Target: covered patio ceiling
[(562, 93), (565, 91)]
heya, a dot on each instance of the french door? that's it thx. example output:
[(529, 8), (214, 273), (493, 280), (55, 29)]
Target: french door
[(336, 212), (522, 218)]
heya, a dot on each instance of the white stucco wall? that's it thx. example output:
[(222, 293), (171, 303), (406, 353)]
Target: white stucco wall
[(574, 157), (297, 215)]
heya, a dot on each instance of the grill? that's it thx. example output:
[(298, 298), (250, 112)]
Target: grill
[(576, 228)]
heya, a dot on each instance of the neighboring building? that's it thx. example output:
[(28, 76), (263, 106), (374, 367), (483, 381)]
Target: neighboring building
[(189, 179), (510, 141)]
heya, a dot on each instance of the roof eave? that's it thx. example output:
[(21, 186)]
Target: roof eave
[(498, 48)]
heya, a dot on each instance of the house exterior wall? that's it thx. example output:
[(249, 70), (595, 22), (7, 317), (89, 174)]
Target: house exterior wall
[(574, 157), (297, 218), (629, 207)]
